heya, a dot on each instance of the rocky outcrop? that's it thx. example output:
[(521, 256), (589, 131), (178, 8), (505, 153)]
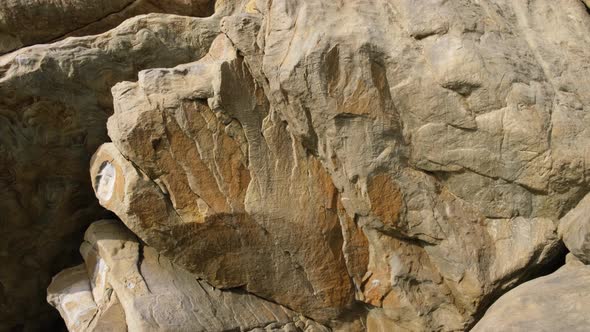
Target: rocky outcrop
[(557, 302), (373, 165), (223, 198), (431, 161), (126, 286), (26, 22), (54, 103), (451, 135)]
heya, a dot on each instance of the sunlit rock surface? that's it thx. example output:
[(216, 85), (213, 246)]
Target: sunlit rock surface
[(372, 165), (557, 302)]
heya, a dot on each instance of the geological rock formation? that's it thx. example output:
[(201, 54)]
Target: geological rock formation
[(557, 302), (226, 200), (124, 285), (54, 102), (380, 165)]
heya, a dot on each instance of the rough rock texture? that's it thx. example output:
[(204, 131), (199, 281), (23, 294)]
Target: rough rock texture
[(54, 102), (28, 22), (421, 162), (261, 222), (371, 164), (125, 285), (557, 302)]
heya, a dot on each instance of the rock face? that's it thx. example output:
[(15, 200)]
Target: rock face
[(440, 142), (557, 302), (372, 165), (221, 186), (125, 286), (54, 102)]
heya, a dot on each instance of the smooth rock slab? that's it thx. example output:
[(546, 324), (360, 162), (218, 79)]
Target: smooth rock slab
[(71, 293), (557, 302)]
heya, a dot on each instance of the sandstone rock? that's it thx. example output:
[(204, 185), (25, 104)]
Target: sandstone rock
[(574, 229), (71, 293), (557, 302), (154, 294), (572, 260), (54, 102), (205, 144), (236, 202), (26, 22), (460, 118), (408, 161)]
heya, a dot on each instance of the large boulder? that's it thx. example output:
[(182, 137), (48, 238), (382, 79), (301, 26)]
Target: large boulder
[(361, 154), (234, 200), (557, 302), (380, 165), (126, 286), (454, 132)]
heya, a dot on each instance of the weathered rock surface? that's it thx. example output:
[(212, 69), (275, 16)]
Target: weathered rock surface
[(557, 302), (125, 285), (452, 135), (54, 103), (371, 164), (27, 22), (425, 160), (237, 202)]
